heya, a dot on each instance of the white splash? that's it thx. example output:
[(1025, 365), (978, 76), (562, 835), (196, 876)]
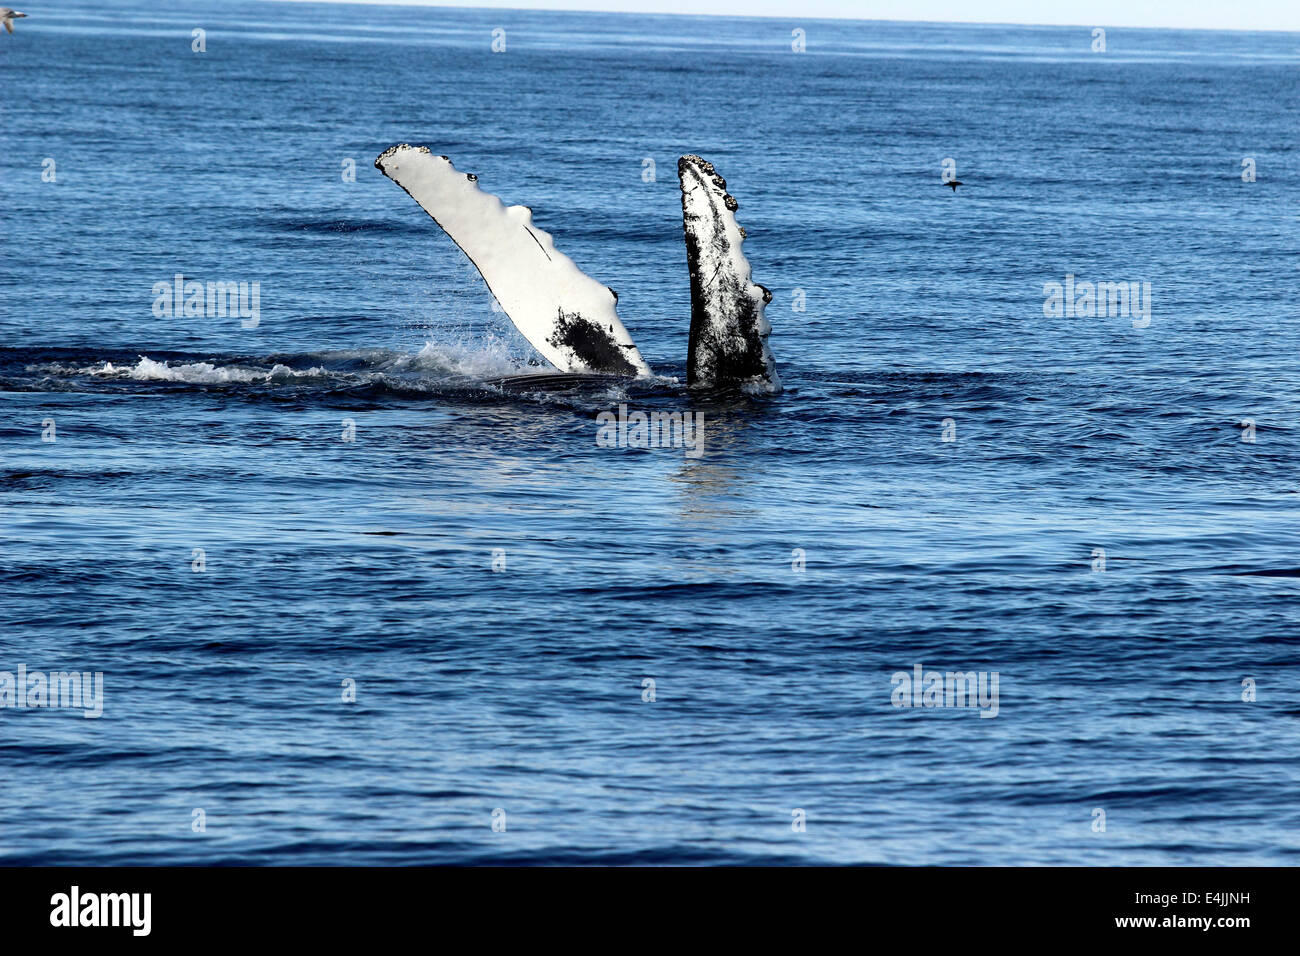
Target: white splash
[(201, 373)]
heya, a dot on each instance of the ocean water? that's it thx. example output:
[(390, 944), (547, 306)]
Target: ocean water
[(199, 531)]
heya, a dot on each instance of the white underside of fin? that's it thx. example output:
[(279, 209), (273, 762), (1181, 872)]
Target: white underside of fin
[(569, 317)]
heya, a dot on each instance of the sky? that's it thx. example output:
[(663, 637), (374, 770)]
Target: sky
[(1194, 14)]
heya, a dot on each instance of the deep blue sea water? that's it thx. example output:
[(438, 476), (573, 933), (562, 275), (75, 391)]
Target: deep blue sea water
[(522, 689)]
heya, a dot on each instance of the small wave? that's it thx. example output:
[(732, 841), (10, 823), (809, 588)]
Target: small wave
[(433, 363), (203, 373), (330, 226), (459, 370)]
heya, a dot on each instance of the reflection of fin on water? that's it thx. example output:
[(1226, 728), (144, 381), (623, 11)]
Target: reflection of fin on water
[(569, 317)]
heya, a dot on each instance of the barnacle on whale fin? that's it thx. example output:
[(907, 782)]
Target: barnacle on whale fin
[(728, 344)]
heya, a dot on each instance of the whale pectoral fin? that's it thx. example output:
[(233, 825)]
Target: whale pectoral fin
[(566, 315), (728, 329)]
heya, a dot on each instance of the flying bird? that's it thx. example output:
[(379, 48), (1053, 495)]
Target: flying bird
[(8, 16), (954, 183)]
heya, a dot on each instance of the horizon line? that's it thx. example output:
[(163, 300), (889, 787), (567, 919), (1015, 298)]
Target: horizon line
[(510, 6)]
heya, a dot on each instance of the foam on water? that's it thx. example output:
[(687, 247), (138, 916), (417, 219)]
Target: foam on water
[(433, 362), (202, 373)]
